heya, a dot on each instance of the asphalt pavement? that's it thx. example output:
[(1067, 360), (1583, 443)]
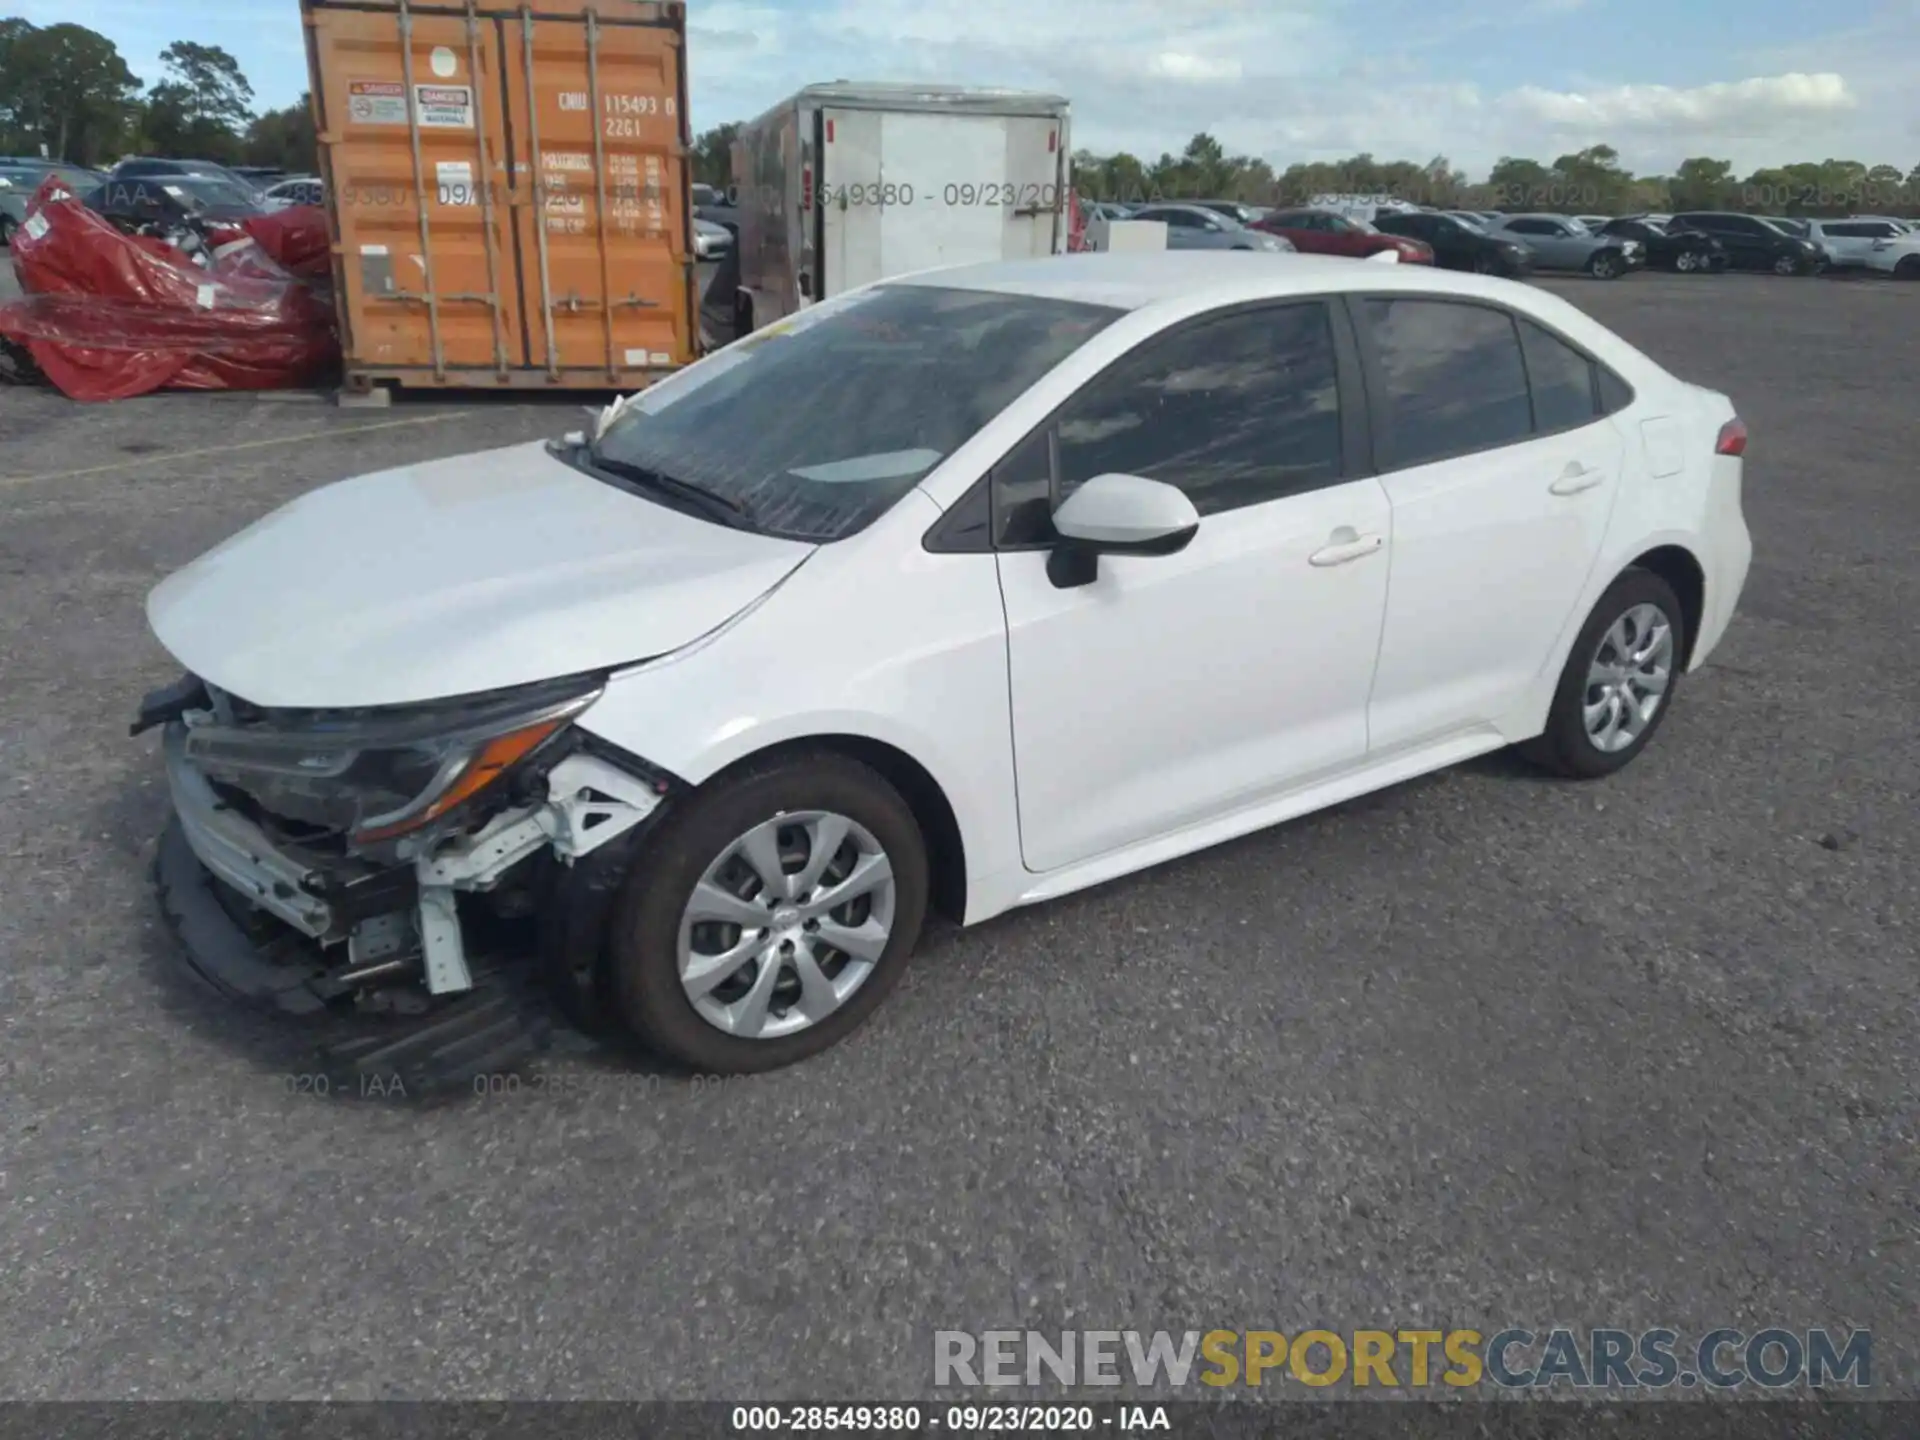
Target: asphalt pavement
[(1481, 1050)]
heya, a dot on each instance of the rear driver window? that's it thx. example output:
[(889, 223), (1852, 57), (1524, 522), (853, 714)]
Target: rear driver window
[(1454, 379), (1562, 381)]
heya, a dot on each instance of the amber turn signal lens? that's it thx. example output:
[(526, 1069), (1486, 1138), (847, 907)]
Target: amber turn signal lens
[(489, 763)]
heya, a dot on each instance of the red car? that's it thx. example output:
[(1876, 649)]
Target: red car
[(1324, 232)]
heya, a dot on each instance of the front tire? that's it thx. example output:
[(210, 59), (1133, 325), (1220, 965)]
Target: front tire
[(1686, 262), (1618, 682), (1908, 268), (1606, 265), (769, 916), (1786, 265)]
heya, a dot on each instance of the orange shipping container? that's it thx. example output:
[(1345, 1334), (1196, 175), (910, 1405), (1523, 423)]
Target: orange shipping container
[(507, 189)]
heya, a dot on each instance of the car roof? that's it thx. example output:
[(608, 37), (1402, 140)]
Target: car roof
[(1137, 280)]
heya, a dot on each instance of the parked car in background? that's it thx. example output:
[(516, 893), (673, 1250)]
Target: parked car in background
[(710, 241), (1234, 209), (1194, 227), (1883, 245), (1754, 244), (1461, 244), (295, 190), (717, 208), (1560, 242), (19, 181), (211, 197), (1595, 223), (1171, 606), (1108, 210), (1686, 251), (1325, 232), (147, 167)]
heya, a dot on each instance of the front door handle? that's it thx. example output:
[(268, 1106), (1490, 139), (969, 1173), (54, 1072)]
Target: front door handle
[(1346, 546), (1576, 479)]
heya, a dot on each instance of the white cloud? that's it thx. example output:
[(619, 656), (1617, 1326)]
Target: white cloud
[(1762, 105)]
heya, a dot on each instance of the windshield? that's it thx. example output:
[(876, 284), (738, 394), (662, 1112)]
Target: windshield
[(814, 427), (1785, 227)]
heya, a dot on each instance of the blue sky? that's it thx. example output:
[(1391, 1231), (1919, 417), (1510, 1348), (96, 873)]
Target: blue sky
[(1757, 82)]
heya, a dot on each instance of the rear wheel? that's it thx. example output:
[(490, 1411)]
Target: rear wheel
[(1618, 682), (6, 231), (770, 916)]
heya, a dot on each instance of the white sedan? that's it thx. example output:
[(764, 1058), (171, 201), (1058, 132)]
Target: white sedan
[(962, 591)]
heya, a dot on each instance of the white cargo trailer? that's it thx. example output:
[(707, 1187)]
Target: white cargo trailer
[(844, 184)]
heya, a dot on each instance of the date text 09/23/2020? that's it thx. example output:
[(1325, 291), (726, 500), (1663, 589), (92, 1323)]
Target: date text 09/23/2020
[(954, 1419)]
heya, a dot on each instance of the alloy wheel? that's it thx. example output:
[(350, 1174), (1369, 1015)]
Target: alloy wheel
[(1785, 265), (1605, 267), (1684, 261), (1627, 678), (786, 924)]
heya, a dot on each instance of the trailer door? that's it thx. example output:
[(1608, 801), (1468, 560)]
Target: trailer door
[(1035, 223), (849, 179)]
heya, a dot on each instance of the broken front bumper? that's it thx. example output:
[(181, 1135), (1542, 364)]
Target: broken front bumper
[(266, 925)]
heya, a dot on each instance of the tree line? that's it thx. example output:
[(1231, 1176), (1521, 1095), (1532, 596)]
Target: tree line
[(1587, 181), (68, 93)]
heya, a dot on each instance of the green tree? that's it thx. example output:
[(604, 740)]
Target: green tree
[(1701, 183), (203, 107), (1517, 183), (64, 87), (284, 139), (1591, 180), (713, 155)]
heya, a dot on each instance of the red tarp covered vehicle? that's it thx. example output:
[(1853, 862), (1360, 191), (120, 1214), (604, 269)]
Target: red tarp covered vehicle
[(106, 315)]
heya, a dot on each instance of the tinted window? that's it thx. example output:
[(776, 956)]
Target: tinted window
[(1235, 411), (1615, 393), (1560, 377), (818, 426), (1533, 227), (1454, 379)]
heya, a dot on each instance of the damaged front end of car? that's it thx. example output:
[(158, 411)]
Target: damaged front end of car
[(370, 862)]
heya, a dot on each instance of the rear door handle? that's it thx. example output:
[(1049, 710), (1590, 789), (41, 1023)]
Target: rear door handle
[(1346, 546), (1577, 479)]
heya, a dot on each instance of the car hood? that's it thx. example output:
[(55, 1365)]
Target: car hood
[(457, 576)]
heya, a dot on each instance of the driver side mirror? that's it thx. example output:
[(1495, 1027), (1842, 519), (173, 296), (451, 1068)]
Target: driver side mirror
[(1117, 514)]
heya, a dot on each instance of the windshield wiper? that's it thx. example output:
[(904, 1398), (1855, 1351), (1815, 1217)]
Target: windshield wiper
[(709, 502)]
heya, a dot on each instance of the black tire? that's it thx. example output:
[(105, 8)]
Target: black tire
[(1908, 268), (1606, 265), (7, 227), (1484, 265), (643, 942), (1564, 747)]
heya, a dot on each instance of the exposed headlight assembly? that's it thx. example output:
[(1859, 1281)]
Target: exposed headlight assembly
[(377, 775)]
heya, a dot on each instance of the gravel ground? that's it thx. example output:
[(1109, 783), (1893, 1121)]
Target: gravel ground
[(1480, 1050)]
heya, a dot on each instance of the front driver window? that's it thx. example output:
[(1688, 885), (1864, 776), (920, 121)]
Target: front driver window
[(1235, 411)]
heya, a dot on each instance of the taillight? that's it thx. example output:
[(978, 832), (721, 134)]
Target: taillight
[(1733, 438)]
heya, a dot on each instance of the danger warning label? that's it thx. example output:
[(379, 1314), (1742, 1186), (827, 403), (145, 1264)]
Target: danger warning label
[(444, 107), (376, 102)]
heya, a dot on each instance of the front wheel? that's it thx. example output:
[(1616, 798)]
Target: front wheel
[(1786, 265), (1908, 268), (1618, 682), (769, 916), (1483, 265), (1606, 265), (1686, 262)]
